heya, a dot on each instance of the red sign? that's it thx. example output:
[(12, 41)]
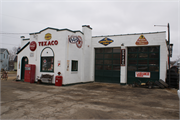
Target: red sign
[(32, 46), (47, 43), (142, 41), (142, 74)]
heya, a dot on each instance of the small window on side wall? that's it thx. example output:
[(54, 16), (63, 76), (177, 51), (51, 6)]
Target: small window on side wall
[(74, 65)]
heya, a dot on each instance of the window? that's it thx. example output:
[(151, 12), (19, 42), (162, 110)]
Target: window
[(4, 55), (74, 65), (47, 64), (7, 56), (47, 60)]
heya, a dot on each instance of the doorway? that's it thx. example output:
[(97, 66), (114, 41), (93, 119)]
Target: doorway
[(23, 63)]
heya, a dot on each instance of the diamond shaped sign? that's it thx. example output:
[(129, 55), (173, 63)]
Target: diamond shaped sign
[(106, 41)]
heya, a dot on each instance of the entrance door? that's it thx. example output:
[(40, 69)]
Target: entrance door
[(23, 63), (143, 59), (107, 65)]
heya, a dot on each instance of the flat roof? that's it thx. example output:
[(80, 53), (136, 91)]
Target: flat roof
[(129, 34)]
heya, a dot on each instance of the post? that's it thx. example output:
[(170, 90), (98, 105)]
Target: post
[(169, 53)]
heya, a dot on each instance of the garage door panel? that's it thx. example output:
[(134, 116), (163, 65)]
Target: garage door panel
[(116, 74), (108, 73), (99, 73), (107, 65), (143, 59)]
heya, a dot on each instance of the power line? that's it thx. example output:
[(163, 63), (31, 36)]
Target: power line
[(14, 33), (9, 44)]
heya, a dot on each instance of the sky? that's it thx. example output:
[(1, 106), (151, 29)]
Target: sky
[(106, 17)]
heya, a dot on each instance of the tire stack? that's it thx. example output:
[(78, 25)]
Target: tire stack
[(161, 84), (174, 77)]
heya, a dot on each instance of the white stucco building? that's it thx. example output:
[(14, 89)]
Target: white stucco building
[(81, 57)]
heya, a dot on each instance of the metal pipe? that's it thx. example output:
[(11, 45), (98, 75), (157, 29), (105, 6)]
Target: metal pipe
[(169, 53)]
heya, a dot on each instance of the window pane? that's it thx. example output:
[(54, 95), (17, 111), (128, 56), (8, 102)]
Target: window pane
[(132, 55), (108, 50), (132, 62), (143, 49), (143, 55), (99, 67), (116, 50), (116, 67), (99, 61), (154, 68), (154, 49), (47, 64), (142, 68), (99, 56), (132, 68), (116, 56), (153, 62), (154, 55), (107, 67), (98, 50), (142, 62), (116, 62), (107, 55), (107, 61), (133, 49)]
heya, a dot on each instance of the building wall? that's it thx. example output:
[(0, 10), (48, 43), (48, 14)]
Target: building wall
[(63, 52), (154, 39), (5, 61)]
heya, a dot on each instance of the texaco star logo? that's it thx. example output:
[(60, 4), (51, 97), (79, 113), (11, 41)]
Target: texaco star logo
[(79, 42)]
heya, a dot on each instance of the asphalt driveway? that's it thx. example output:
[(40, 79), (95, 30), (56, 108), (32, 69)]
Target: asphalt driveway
[(20, 100)]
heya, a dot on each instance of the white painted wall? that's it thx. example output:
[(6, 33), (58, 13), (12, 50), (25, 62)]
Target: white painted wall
[(62, 52), (154, 39), (85, 55)]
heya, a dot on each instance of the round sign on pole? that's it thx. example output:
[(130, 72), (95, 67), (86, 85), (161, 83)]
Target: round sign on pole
[(33, 46)]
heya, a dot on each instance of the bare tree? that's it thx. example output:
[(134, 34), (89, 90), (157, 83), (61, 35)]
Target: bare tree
[(12, 53)]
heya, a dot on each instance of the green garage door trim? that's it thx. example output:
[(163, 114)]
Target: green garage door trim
[(107, 65), (143, 59)]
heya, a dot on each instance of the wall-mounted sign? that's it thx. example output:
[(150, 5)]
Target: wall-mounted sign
[(79, 42), (123, 57), (48, 36), (59, 63), (75, 39), (32, 46), (31, 54), (105, 41), (47, 43), (142, 40), (67, 65), (143, 74)]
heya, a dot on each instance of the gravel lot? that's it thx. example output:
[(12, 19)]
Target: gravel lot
[(20, 100)]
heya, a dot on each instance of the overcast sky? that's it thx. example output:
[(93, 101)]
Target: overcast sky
[(106, 17)]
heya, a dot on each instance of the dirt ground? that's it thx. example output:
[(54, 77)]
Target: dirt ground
[(20, 100)]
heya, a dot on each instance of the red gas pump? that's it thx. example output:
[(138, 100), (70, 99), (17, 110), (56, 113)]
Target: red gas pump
[(29, 73), (58, 80)]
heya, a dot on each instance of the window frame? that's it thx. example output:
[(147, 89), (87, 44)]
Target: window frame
[(74, 63)]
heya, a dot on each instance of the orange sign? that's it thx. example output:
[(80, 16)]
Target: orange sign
[(142, 41)]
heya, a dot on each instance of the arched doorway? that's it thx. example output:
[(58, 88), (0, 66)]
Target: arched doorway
[(23, 63)]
